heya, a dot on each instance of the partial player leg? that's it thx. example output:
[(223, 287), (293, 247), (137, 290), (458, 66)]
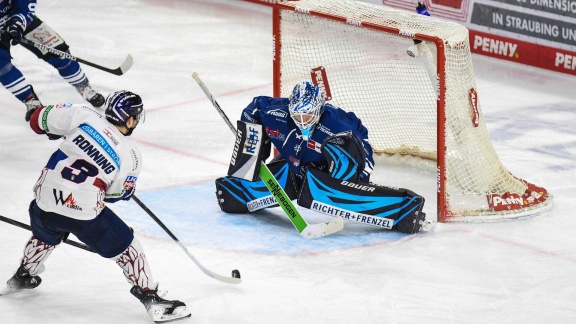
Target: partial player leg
[(13, 80), (69, 70), (137, 271), (160, 309), (32, 264), (135, 266)]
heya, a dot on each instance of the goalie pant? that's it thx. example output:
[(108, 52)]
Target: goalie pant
[(384, 207)]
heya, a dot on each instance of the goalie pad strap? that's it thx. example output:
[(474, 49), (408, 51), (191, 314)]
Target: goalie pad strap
[(388, 208)]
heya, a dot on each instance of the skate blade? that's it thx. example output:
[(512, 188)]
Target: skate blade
[(9, 290), (177, 314)]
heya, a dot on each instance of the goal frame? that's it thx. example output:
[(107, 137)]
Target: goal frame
[(466, 191), (440, 84)]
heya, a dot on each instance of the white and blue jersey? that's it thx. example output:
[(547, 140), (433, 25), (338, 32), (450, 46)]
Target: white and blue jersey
[(273, 115), (94, 164)]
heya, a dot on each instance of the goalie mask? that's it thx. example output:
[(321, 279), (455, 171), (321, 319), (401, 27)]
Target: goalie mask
[(120, 105), (306, 106)]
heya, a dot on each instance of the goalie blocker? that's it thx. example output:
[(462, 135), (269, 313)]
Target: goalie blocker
[(242, 191)]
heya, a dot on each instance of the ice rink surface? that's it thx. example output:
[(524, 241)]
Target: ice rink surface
[(512, 272)]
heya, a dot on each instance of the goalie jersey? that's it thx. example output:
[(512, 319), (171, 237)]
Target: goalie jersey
[(95, 163), (273, 115)]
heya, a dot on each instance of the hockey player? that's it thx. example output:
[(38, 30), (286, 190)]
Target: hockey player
[(17, 20), (324, 160), (94, 164)]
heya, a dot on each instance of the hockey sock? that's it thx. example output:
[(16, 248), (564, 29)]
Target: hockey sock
[(69, 70), (35, 253), (135, 266), (13, 80)]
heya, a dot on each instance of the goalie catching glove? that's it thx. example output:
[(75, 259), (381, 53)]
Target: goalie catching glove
[(346, 157)]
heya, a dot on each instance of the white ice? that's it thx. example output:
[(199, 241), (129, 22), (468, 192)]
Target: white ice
[(513, 272)]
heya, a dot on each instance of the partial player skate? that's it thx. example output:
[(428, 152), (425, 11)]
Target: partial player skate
[(21, 280), (93, 97), (32, 103), (161, 310)]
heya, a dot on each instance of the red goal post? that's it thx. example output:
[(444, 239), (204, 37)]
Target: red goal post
[(424, 105)]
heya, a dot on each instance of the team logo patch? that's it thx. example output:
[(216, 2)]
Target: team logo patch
[(294, 161), (260, 203), (275, 133), (277, 113), (251, 144), (349, 215), (130, 182), (69, 202), (314, 146)]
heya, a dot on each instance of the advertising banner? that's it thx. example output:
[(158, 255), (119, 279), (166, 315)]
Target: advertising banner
[(540, 33)]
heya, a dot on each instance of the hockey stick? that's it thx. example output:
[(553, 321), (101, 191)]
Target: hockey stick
[(305, 229), (235, 279), (26, 226), (123, 68)]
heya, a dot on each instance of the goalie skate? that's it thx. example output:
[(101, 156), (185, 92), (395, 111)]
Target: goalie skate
[(161, 310)]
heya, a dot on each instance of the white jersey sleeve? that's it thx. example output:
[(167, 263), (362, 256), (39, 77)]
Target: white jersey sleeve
[(94, 164)]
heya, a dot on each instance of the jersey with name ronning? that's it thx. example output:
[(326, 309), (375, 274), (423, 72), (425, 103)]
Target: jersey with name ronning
[(94, 162)]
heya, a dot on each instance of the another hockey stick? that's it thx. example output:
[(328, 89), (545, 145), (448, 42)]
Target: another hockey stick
[(123, 68), (305, 229), (26, 226), (214, 102), (235, 273)]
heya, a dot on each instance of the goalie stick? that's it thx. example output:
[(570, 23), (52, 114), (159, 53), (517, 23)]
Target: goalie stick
[(305, 229), (123, 68), (236, 275), (26, 226)]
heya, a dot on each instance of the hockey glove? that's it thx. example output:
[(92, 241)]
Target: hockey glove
[(15, 29), (346, 156)]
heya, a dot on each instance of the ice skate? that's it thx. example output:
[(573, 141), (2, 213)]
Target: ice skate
[(21, 280), (161, 310), (90, 95)]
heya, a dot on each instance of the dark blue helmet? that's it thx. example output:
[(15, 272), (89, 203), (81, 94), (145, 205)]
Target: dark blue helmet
[(120, 105)]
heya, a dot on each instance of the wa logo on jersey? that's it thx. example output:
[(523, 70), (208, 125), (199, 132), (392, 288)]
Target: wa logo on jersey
[(68, 202)]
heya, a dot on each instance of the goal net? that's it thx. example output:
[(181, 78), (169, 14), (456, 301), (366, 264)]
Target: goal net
[(425, 105)]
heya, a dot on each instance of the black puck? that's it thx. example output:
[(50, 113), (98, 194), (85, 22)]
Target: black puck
[(235, 274)]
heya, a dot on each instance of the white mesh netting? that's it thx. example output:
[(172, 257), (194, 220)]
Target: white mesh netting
[(395, 95)]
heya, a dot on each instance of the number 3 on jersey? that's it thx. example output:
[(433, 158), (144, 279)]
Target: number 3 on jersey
[(79, 171)]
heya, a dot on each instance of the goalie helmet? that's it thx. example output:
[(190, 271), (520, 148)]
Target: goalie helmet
[(306, 106), (120, 105)]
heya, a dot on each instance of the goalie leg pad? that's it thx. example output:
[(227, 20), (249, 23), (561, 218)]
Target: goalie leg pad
[(236, 195), (388, 208)]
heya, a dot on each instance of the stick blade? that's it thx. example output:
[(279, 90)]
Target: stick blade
[(127, 64), (323, 229)]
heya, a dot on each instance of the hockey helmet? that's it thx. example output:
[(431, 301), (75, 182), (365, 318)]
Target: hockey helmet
[(306, 105), (120, 105)]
